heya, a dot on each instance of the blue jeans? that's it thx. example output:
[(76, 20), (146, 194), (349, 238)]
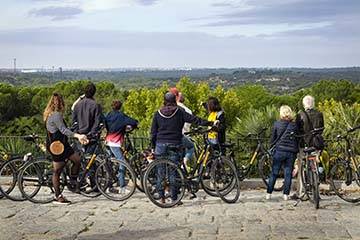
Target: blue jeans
[(189, 147), (162, 150), (282, 158), (119, 156)]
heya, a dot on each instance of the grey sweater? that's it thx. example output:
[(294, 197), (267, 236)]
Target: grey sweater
[(55, 122)]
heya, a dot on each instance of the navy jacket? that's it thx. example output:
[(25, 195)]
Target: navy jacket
[(117, 121), (286, 142), (168, 123)]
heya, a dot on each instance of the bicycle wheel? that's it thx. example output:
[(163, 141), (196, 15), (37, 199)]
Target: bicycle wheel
[(87, 178), (225, 180), (345, 181), (35, 181), (138, 164), (265, 170), (9, 172), (164, 183), (315, 188), (205, 181), (115, 179)]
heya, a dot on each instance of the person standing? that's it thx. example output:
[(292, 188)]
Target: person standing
[(216, 113), (166, 133), (87, 115), (57, 131), (286, 148), (307, 120), (116, 125), (187, 143)]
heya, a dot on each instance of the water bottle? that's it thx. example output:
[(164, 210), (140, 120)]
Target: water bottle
[(321, 170)]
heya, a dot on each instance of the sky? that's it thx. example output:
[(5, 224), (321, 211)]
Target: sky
[(179, 33)]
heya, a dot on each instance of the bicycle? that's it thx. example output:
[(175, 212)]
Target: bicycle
[(10, 168), (164, 175), (309, 170), (116, 179), (345, 174), (138, 160), (261, 157), (35, 177)]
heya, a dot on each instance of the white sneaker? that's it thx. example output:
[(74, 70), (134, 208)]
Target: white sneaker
[(286, 197), (124, 190), (268, 196)]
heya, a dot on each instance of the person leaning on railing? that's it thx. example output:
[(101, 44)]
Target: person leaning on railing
[(286, 148), (57, 131)]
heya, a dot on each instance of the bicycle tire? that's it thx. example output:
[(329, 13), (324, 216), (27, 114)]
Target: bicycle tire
[(265, 169), (315, 189), (11, 167), (136, 164), (305, 183), (339, 187), (106, 176), (153, 170), (205, 180), (39, 172), (223, 170)]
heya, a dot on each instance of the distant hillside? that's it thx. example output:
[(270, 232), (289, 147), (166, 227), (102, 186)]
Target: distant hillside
[(275, 79)]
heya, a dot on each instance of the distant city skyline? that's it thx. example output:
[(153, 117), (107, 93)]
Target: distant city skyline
[(179, 33)]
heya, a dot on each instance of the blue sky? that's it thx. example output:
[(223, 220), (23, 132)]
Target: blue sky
[(180, 33)]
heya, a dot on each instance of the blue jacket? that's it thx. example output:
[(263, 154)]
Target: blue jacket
[(117, 121), (286, 142)]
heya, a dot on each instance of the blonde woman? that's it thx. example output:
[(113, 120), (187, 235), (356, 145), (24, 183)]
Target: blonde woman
[(286, 148), (57, 131)]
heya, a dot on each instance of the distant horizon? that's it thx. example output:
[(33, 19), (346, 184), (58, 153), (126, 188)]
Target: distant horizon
[(56, 68)]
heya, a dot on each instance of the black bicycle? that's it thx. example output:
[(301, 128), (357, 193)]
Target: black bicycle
[(165, 178), (345, 174), (35, 177), (12, 165), (261, 159), (309, 171)]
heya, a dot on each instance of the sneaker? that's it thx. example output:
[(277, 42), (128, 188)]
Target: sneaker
[(268, 196), (285, 197), (61, 200), (124, 190)]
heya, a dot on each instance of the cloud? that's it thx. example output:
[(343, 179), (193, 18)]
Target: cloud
[(222, 4), (76, 47), (289, 12), (146, 2), (57, 13)]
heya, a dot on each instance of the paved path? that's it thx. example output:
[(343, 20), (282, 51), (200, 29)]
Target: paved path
[(204, 218)]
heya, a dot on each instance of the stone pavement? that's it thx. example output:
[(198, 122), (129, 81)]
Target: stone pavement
[(203, 218)]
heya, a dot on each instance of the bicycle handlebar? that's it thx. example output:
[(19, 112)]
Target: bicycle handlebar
[(201, 130)]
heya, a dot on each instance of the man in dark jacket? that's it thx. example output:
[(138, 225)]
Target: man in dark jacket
[(166, 136), (307, 120), (87, 113)]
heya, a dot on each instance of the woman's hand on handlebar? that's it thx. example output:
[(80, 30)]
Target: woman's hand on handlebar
[(82, 138)]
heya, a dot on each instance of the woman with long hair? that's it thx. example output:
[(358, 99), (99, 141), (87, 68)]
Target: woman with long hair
[(216, 113), (57, 131)]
